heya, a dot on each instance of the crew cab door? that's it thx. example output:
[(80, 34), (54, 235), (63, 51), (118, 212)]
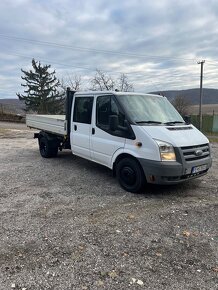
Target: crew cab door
[(104, 142), (81, 126)]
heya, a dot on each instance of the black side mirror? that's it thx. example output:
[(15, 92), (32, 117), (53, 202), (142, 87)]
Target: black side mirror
[(113, 122), (187, 119)]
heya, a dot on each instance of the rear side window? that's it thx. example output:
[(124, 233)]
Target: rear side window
[(83, 110)]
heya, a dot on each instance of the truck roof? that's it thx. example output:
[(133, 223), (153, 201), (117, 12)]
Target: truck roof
[(114, 93)]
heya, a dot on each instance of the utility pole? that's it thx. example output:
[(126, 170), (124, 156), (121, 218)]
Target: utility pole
[(201, 94)]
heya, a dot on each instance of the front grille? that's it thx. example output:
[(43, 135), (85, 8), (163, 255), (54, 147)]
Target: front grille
[(197, 152)]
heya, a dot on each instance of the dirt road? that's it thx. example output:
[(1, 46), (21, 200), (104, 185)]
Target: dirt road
[(66, 224)]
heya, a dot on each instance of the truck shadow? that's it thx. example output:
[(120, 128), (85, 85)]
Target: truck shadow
[(105, 178), (188, 188)]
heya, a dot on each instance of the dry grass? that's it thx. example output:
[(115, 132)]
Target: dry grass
[(213, 140), (4, 133), (209, 109)]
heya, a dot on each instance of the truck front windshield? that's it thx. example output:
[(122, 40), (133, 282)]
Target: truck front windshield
[(150, 109)]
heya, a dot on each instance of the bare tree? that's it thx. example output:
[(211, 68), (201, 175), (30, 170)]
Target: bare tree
[(103, 81), (74, 82), (124, 85), (181, 104)]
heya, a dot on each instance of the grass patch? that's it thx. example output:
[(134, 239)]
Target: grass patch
[(4, 132), (8, 117), (213, 140), (211, 134)]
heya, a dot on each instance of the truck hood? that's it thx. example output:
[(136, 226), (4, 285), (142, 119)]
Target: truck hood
[(178, 136)]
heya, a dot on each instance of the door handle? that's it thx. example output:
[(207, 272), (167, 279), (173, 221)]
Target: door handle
[(75, 127), (93, 131)]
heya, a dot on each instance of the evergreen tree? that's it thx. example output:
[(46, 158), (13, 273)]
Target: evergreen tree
[(41, 93)]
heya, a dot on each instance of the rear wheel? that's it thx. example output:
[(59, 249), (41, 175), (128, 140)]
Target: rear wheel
[(47, 148), (130, 175)]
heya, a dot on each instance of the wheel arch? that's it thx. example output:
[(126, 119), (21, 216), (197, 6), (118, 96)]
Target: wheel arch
[(49, 136), (120, 157)]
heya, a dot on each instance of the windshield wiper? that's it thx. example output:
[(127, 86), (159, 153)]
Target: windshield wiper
[(174, 122), (148, 122)]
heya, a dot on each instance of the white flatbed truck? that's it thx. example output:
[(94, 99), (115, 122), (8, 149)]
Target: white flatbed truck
[(141, 137)]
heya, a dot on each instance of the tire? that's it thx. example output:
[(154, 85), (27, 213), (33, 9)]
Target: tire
[(48, 148), (130, 175)]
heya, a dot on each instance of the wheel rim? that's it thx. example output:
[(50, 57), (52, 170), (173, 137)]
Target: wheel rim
[(128, 175), (43, 147)]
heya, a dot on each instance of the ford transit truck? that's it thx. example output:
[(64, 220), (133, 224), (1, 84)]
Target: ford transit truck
[(141, 137)]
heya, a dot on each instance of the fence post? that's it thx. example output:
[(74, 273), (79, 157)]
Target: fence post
[(1, 109)]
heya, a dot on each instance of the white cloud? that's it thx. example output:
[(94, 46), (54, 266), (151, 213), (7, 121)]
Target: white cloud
[(170, 35)]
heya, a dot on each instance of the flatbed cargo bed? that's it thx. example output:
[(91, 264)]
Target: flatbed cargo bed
[(55, 124)]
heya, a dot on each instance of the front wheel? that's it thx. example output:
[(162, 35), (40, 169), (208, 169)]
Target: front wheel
[(130, 175)]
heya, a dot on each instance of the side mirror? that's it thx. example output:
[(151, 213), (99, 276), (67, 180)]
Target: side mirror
[(187, 119), (113, 122)]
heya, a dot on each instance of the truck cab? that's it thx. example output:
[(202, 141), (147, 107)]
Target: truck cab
[(141, 137)]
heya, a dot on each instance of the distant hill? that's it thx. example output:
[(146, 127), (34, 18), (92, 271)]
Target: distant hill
[(210, 96), (14, 106)]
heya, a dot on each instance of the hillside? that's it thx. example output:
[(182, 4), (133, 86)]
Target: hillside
[(210, 96), (14, 106)]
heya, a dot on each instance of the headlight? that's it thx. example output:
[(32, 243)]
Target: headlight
[(167, 152)]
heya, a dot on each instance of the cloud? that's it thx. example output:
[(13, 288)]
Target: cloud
[(156, 43)]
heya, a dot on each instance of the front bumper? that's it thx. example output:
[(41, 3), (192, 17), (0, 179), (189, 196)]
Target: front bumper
[(159, 172)]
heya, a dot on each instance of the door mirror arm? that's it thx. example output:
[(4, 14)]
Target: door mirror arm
[(113, 122), (124, 128)]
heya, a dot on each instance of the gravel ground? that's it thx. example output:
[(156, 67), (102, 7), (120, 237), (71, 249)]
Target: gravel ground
[(66, 224)]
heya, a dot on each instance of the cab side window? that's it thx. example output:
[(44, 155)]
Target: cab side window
[(106, 106), (103, 111), (83, 110)]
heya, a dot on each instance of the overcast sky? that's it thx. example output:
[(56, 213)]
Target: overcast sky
[(156, 43)]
